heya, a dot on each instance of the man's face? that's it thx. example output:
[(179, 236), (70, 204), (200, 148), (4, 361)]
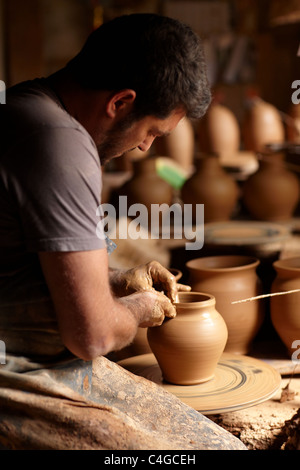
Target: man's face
[(126, 135)]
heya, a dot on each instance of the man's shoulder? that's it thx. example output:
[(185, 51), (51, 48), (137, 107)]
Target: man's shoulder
[(32, 110), (33, 103)]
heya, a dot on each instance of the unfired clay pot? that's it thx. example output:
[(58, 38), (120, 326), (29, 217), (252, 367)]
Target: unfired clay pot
[(212, 186), (285, 309), (272, 193), (179, 145), (146, 187), (219, 131), (262, 125), (229, 278), (189, 346)]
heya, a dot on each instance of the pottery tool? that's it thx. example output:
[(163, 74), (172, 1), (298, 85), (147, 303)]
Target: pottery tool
[(265, 296)]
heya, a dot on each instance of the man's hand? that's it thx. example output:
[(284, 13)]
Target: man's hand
[(149, 307), (150, 277)]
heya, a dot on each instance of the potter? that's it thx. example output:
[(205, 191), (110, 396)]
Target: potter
[(77, 119)]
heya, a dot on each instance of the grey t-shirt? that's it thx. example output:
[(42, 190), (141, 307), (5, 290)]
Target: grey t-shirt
[(50, 188)]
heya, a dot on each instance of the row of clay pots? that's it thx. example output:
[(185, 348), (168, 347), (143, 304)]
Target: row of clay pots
[(270, 194), (232, 278), (262, 124), (219, 132)]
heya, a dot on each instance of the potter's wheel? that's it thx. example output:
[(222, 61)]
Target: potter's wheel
[(245, 233), (239, 382)]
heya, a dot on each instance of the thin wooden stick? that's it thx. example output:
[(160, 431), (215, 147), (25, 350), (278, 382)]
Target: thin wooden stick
[(264, 296)]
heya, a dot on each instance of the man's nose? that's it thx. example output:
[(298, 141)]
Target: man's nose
[(146, 144)]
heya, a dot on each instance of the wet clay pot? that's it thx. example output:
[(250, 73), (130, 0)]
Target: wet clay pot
[(230, 278), (212, 186), (189, 346), (219, 131), (262, 125), (179, 145), (285, 309), (272, 193), (147, 188)]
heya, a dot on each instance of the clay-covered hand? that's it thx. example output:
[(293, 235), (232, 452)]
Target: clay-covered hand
[(149, 307), (151, 276)]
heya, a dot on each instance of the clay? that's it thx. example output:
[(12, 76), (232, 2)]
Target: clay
[(285, 308), (176, 273), (212, 186), (272, 192), (189, 346), (179, 145), (230, 278), (262, 126), (147, 188), (219, 131)]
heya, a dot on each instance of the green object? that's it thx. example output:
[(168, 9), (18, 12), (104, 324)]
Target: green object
[(170, 174)]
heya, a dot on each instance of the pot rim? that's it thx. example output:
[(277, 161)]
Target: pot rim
[(245, 262), (195, 299), (287, 264)]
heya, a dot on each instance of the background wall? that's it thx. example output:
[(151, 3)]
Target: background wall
[(249, 44)]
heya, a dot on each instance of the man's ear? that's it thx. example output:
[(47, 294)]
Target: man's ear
[(120, 101)]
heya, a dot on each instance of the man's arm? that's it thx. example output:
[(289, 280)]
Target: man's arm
[(91, 321)]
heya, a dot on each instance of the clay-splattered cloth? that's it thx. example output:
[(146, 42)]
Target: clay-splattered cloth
[(100, 406)]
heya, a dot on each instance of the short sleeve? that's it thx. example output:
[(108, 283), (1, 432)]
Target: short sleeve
[(57, 186)]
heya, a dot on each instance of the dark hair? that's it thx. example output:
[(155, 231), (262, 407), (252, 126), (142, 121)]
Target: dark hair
[(158, 57)]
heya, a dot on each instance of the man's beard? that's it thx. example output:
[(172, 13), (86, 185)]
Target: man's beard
[(112, 145)]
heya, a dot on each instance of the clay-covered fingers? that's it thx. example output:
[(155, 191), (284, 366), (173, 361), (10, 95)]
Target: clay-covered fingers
[(161, 308), (183, 288), (150, 307), (163, 279)]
